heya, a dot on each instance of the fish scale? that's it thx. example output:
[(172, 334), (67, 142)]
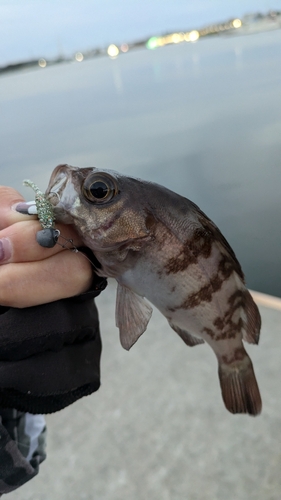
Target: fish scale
[(161, 247)]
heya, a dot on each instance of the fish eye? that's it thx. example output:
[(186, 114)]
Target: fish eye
[(99, 188)]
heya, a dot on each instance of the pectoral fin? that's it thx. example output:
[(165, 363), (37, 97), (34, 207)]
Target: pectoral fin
[(132, 316), (186, 337)]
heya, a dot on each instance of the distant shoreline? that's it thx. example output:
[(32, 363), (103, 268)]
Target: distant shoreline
[(247, 25)]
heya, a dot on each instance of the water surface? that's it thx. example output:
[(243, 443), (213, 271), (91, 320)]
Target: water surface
[(203, 119)]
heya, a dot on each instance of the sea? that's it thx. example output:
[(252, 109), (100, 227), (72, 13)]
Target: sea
[(203, 119)]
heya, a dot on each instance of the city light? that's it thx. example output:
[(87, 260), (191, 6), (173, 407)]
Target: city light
[(194, 35), (158, 41), (251, 23), (237, 23), (152, 43), (113, 50), (42, 63), (79, 56), (177, 37), (124, 47)]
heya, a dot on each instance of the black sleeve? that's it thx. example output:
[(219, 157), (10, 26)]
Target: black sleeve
[(22, 448), (50, 354)]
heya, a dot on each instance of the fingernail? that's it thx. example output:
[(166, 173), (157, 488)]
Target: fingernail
[(26, 208), (5, 250)]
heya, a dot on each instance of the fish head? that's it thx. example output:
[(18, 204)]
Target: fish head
[(104, 206)]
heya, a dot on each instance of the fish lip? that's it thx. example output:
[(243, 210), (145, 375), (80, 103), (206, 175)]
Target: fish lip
[(57, 184), (60, 194), (54, 196)]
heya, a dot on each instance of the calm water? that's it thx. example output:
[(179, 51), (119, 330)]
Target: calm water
[(202, 119)]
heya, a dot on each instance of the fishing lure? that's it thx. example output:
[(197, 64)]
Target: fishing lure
[(45, 211), (49, 235)]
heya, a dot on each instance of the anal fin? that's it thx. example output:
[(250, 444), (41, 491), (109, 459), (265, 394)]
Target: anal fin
[(132, 316), (189, 339)]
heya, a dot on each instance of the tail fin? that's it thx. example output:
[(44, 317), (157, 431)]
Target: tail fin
[(239, 387)]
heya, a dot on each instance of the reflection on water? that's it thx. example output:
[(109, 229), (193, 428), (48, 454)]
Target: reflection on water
[(203, 119)]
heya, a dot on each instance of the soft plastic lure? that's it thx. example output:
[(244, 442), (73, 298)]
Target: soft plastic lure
[(45, 211), (48, 236)]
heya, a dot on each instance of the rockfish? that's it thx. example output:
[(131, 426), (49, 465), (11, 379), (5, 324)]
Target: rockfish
[(161, 246)]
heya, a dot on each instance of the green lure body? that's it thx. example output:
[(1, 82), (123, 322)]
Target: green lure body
[(45, 211)]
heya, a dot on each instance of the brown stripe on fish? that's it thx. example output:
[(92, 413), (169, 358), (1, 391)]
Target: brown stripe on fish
[(199, 246), (229, 331), (250, 327), (221, 322), (218, 237), (227, 328), (235, 355), (205, 293), (251, 332), (226, 267), (225, 324)]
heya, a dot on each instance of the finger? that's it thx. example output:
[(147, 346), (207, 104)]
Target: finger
[(9, 198), (18, 242), (33, 283)]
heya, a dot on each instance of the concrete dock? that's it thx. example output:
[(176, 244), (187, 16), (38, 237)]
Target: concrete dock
[(157, 429)]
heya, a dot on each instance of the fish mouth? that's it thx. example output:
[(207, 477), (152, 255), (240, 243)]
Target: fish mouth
[(57, 184), (61, 193)]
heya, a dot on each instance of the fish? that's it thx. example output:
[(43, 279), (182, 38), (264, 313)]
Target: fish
[(164, 251)]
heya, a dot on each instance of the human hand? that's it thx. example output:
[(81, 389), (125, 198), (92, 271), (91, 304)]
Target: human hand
[(30, 274)]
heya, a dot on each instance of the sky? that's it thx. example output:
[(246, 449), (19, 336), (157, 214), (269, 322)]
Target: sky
[(48, 28)]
